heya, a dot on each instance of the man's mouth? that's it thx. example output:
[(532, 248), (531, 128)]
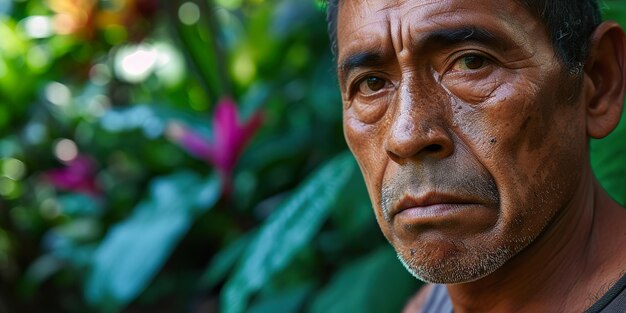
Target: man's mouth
[(430, 206)]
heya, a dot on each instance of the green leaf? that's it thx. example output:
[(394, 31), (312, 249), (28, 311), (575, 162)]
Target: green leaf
[(354, 214), (377, 283), (287, 231), (615, 10), (223, 262), (289, 301), (80, 205), (39, 271), (134, 250)]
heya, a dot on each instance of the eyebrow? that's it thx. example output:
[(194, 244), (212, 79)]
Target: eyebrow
[(433, 40), (367, 58), (450, 37)]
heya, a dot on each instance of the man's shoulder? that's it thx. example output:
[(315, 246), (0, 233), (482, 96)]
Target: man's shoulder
[(434, 298), (417, 302), (614, 300)]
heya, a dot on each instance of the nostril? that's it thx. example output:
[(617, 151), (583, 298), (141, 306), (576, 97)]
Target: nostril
[(433, 148)]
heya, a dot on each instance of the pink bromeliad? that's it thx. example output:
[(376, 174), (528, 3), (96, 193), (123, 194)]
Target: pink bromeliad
[(79, 175), (229, 137)]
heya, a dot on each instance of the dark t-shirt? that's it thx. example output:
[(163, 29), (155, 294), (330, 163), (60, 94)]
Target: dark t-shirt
[(613, 301)]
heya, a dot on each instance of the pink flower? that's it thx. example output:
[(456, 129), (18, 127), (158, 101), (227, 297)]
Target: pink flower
[(229, 137), (78, 176)]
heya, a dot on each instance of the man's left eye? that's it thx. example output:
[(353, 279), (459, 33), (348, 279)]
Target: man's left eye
[(471, 62)]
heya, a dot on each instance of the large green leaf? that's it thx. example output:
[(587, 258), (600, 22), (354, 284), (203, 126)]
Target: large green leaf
[(287, 231), (377, 283), (134, 250)]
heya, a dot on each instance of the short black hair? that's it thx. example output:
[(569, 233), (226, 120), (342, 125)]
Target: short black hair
[(569, 23)]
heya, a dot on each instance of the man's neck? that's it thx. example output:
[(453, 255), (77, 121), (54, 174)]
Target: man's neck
[(571, 262)]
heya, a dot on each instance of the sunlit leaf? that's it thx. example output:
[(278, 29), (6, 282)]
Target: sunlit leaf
[(135, 249), (287, 231), (377, 283)]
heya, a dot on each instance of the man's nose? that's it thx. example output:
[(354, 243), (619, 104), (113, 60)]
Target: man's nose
[(417, 130)]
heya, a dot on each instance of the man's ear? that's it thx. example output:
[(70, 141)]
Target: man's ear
[(605, 79)]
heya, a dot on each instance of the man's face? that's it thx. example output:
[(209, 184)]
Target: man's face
[(469, 132)]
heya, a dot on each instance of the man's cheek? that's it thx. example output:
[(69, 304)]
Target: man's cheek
[(498, 127)]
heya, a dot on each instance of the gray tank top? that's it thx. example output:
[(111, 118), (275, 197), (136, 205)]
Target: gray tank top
[(613, 301)]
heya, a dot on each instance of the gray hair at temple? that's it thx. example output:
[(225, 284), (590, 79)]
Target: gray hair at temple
[(569, 23)]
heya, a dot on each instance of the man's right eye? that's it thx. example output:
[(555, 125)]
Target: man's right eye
[(371, 85)]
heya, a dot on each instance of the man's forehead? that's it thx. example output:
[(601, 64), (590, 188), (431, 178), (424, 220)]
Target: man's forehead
[(363, 21)]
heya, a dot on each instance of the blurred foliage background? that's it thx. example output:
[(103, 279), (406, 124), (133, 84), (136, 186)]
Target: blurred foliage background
[(188, 156)]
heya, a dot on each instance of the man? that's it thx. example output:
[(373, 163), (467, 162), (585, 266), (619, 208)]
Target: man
[(470, 120)]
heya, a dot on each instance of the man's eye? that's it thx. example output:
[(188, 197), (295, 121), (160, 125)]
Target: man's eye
[(471, 62), (371, 85)]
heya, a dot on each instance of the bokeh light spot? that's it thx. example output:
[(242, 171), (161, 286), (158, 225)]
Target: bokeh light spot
[(35, 133), (58, 94), (99, 105), (170, 67), (38, 58), (189, 13), (8, 187), (37, 26), (243, 68), (100, 74), (50, 208), (13, 169), (65, 150), (230, 4), (135, 63)]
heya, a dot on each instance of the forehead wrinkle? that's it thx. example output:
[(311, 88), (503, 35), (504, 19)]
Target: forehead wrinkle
[(394, 5), (399, 23), (406, 31), (451, 19), (416, 20), (399, 3)]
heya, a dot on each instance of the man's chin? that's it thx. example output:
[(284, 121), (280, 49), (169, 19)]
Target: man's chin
[(463, 268)]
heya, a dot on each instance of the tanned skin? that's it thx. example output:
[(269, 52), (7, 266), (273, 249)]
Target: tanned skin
[(472, 137)]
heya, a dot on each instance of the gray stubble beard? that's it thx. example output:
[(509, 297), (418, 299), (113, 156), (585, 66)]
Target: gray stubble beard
[(473, 266)]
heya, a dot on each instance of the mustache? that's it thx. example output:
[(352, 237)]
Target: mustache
[(467, 182)]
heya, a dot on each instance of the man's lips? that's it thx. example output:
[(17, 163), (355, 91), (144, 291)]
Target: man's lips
[(431, 204)]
